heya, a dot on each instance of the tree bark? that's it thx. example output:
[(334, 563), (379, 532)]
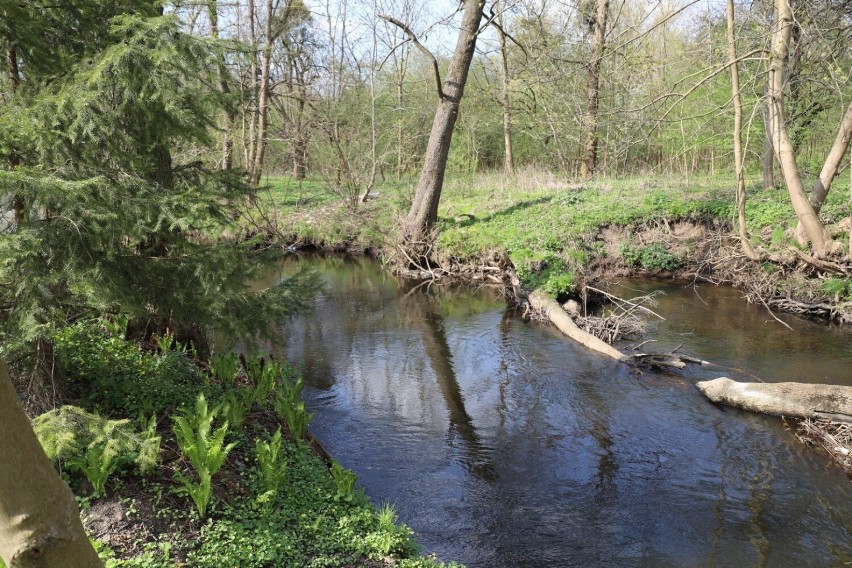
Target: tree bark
[(796, 400), (832, 162), (39, 521), (590, 150), (768, 155), (748, 250), (259, 153), (785, 153), (224, 88), (424, 210), (508, 155)]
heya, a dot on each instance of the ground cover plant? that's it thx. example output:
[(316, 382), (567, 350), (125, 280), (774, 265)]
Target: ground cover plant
[(193, 487)]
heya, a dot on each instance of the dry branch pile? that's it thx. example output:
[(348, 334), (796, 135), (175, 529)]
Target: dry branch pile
[(833, 437)]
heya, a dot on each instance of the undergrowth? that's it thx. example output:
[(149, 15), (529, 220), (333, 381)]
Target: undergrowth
[(278, 503)]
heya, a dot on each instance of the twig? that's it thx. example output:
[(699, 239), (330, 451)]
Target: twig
[(768, 309), (616, 298)]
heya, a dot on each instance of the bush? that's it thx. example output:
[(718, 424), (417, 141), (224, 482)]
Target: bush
[(651, 257)]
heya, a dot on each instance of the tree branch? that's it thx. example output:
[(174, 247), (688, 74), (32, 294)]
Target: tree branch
[(422, 48)]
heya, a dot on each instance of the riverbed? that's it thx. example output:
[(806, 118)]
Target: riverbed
[(503, 444)]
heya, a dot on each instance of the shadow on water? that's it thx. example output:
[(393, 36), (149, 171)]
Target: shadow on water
[(422, 312), (504, 445)]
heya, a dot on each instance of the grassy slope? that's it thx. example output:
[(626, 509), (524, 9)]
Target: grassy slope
[(539, 217)]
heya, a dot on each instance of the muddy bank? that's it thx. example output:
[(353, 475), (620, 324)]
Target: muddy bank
[(681, 249)]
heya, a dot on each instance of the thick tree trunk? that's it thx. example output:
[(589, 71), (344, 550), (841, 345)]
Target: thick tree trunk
[(738, 139), (590, 150), (780, 137), (39, 520), (424, 210), (508, 154), (796, 400)]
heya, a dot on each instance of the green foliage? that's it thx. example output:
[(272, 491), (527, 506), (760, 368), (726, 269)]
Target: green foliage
[(204, 447), (225, 367), (345, 480), (116, 377), (236, 404), (650, 257), (839, 288), (94, 445), (272, 467)]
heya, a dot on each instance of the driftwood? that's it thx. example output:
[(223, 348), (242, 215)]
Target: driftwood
[(795, 400), (563, 322)]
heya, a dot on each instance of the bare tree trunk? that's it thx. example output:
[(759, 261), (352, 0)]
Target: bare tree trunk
[(263, 98), (253, 89), (300, 143), (14, 70), (738, 138), (39, 520), (508, 157), (224, 88), (832, 161), (424, 210), (768, 155), (785, 153), (590, 151)]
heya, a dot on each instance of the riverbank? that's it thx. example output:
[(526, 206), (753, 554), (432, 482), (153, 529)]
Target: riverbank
[(560, 235), (139, 449)]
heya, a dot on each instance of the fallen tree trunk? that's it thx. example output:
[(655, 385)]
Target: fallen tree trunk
[(563, 322), (795, 400)]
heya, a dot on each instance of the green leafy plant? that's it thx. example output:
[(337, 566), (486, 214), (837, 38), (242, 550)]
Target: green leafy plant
[(839, 288), (94, 445), (225, 367), (272, 467), (651, 257), (295, 416), (236, 404), (345, 480), (204, 447)]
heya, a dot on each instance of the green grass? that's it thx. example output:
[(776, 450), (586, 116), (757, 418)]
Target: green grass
[(548, 224)]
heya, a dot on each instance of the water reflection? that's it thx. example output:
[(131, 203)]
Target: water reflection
[(503, 444)]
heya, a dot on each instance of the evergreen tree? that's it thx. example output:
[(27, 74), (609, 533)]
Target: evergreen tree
[(108, 217)]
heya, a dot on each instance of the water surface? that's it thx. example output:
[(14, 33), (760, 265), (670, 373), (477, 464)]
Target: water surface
[(503, 444)]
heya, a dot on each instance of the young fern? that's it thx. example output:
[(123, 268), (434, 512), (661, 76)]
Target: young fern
[(272, 467), (204, 447), (96, 446)]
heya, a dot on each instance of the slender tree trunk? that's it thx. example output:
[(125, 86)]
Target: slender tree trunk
[(508, 156), (738, 138), (224, 88), (263, 98), (424, 210), (39, 520), (300, 143), (253, 90), (780, 137), (832, 161), (768, 161), (590, 151), (14, 69)]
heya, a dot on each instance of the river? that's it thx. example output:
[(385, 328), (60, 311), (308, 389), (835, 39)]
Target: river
[(503, 444)]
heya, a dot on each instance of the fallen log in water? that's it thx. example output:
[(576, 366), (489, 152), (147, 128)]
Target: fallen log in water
[(795, 400), (563, 322)]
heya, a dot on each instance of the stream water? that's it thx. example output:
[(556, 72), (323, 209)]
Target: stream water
[(501, 443)]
